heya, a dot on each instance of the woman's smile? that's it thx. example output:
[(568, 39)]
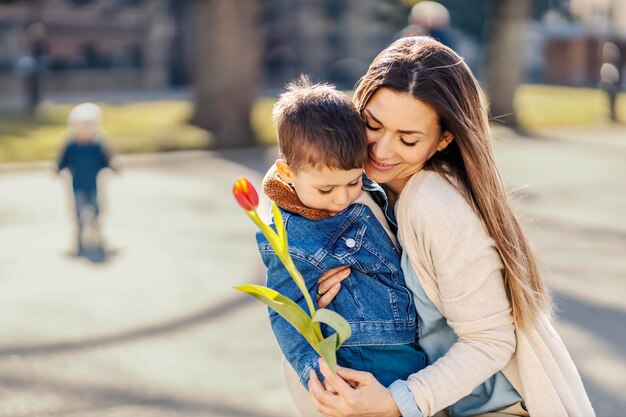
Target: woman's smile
[(379, 165)]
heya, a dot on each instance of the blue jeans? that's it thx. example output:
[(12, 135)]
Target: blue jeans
[(85, 199), (387, 363)]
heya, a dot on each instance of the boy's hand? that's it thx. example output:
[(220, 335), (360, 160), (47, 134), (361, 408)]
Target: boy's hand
[(329, 283)]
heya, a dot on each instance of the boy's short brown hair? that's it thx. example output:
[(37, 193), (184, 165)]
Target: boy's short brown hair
[(319, 126)]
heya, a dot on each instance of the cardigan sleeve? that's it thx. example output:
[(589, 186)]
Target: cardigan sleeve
[(450, 243)]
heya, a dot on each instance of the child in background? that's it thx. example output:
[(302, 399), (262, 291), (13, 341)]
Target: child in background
[(84, 156), (318, 185)]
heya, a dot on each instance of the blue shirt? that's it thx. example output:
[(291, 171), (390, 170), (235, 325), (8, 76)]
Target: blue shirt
[(84, 161), (436, 337)]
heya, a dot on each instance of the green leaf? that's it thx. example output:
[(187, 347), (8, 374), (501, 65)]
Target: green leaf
[(327, 351), (288, 309), (334, 320), (299, 280), (269, 234), (280, 226)]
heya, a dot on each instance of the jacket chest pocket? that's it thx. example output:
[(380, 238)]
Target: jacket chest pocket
[(349, 242)]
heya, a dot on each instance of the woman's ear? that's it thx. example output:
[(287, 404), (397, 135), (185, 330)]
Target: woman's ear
[(284, 171), (444, 141)]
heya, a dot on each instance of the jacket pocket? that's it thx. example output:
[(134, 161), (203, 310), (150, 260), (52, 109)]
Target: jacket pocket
[(349, 242)]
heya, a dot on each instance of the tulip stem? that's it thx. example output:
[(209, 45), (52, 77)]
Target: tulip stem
[(278, 241)]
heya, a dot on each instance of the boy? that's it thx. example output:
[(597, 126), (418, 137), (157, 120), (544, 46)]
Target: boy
[(85, 156), (330, 222)]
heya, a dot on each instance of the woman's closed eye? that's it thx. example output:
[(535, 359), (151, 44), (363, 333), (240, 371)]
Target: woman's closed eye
[(372, 128), (325, 191), (407, 143), (375, 129)]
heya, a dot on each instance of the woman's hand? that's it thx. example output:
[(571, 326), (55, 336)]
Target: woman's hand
[(356, 394), (329, 284)]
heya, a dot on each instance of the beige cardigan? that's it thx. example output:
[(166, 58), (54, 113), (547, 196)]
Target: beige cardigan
[(460, 270)]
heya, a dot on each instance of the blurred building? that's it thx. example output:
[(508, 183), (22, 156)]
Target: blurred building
[(141, 44), (86, 44), (581, 42), (567, 42), (332, 40), (600, 15)]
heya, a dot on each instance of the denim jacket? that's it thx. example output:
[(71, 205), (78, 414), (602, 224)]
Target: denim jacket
[(373, 299)]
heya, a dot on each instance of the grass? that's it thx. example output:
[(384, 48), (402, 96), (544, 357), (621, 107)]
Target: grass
[(262, 121), (541, 106), (130, 128), (156, 126)]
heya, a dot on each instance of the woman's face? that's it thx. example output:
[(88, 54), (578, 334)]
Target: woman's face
[(402, 134)]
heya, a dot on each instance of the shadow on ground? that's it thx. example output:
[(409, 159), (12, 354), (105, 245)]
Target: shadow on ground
[(109, 397), (176, 325)]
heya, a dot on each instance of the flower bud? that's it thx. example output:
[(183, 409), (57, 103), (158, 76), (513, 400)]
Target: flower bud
[(245, 194)]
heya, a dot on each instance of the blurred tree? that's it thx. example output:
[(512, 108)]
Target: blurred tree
[(226, 68), (35, 35), (503, 64), (180, 62), (156, 43)]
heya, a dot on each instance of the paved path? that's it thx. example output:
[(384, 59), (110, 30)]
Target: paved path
[(156, 330), (572, 197)]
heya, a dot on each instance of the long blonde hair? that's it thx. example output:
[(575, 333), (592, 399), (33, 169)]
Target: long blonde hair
[(437, 76)]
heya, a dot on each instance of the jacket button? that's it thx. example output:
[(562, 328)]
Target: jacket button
[(350, 243)]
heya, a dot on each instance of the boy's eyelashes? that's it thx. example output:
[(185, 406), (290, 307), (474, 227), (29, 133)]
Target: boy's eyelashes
[(352, 184)]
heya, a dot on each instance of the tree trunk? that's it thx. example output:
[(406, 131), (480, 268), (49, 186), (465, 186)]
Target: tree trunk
[(504, 65), (156, 43), (226, 69)]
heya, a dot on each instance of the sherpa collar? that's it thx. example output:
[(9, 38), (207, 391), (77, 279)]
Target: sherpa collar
[(286, 198)]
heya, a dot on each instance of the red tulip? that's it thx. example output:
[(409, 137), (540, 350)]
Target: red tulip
[(245, 194)]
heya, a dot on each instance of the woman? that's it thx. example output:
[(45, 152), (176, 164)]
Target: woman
[(483, 307)]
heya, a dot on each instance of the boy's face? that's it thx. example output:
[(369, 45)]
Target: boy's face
[(84, 131), (326, 189)]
